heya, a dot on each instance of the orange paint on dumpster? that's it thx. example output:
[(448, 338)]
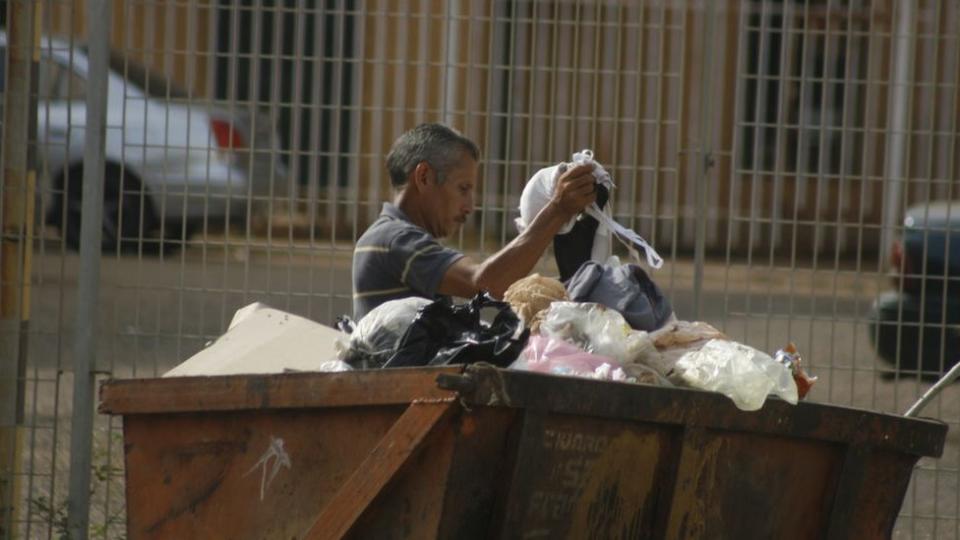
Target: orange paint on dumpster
[(468, 425)]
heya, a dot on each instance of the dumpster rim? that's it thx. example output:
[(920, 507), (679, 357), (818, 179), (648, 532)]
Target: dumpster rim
[(162, 395), (654, 404)]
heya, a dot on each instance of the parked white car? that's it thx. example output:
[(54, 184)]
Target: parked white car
[(170, 160)]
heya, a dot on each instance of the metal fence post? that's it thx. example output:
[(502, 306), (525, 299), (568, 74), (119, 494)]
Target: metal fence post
[(451, 59), (897, 139), (18, 191), (706, 158), (88, 282)]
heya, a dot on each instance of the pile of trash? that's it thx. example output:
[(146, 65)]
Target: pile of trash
[(589, 339), (539, 327), (605, 320)]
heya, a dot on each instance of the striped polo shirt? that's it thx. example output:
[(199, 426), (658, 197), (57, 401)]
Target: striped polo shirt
[(395, 259)]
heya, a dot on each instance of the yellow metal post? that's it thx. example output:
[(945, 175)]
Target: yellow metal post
[(18, 192)]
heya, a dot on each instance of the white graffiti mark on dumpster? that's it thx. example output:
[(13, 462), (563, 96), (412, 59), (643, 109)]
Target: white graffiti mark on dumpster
[(280, 459)]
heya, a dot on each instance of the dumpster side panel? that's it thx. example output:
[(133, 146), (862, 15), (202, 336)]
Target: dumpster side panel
[(242, 475), (381, 467), (879, 495), (477, 473), (585, 477), (409, 506), (752, 486), (448, 488), (521, 455)]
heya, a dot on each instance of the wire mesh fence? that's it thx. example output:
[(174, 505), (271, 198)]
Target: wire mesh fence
[(770, 149)]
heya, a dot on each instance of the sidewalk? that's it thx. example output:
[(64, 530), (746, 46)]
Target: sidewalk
[(736, 277)]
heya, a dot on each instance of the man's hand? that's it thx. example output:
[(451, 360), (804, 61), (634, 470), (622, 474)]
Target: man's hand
[(575, 190)]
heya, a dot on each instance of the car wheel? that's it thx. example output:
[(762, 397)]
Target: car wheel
[(128, 216)]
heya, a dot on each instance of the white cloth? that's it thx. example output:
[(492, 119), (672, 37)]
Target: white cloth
[(539, 189)]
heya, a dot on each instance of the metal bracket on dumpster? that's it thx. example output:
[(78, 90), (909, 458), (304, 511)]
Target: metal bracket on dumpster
[(480, 384), (461, 384), (380, 466)]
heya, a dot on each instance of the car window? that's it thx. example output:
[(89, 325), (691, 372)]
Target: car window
[(57, 82), (151, 83)]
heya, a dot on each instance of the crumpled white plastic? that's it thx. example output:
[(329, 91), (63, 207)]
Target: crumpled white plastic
[(334, 366), (737, 371), (598, 330), (539, 189)]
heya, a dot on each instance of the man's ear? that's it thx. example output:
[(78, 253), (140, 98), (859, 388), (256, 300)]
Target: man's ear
[(421, 175)]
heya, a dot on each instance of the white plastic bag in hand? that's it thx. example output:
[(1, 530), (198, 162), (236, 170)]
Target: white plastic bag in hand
[(539, 189)]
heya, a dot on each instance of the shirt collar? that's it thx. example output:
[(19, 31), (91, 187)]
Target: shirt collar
[(393, 211)]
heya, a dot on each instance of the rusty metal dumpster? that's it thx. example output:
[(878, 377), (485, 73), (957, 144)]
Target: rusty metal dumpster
[(480, 452)]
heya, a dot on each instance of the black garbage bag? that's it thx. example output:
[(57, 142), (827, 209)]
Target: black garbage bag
[(443, 333)]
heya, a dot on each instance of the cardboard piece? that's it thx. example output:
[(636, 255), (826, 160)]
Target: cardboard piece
[(260, 340)]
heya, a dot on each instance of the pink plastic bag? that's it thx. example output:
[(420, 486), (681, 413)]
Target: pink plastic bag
[(555, 356)]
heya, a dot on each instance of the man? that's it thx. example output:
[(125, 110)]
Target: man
[(434, 170)]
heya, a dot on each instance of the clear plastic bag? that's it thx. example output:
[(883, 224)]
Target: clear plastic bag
[(676, 339), (376, 335), (599, 330), (742, 373), (685, 335)]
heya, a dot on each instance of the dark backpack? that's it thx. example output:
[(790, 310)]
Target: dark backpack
[(625, 288)]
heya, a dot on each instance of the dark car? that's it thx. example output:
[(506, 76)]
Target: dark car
[(917, 326)]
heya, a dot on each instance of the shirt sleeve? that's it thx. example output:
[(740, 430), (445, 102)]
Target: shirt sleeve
[(421, 260)]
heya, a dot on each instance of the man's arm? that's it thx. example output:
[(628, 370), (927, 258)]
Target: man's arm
[(575, 190)]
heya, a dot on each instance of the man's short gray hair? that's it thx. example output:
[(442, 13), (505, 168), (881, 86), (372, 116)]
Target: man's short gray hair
[(440, 146)]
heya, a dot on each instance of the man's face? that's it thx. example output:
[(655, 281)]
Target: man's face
[(451, 202)]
